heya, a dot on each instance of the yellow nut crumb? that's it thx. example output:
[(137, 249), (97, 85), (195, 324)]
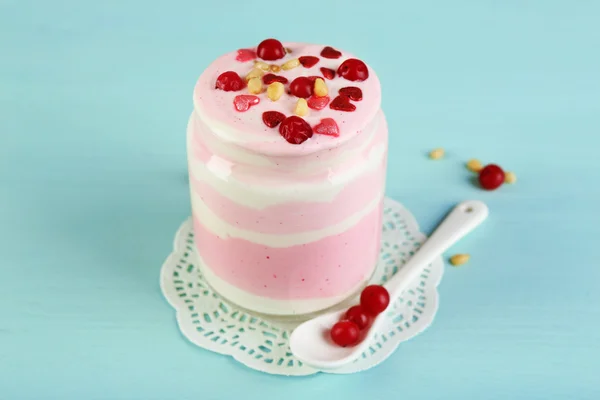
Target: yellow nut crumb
[(459, 259), (301, 108), (510, 177), (275, 68), (320, 88), (255, 86), (288, 50), (255, 73), (474, 165), (261, 65), (275, 90), (290, 64), (436, 154)]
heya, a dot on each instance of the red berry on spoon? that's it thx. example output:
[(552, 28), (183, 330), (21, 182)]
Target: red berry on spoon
[(491, 177), (345, 333), (328, 73), (357, 315), (272, 118), (330, 52), (353, 70), (230, 82), (352, 92), (270, 49), (302, 87), (308, 61), (295, 130), (374, 299)]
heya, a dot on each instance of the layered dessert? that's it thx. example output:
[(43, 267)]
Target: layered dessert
[(287, 148)]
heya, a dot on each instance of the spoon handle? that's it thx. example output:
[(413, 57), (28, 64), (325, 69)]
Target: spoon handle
[(462, 219)]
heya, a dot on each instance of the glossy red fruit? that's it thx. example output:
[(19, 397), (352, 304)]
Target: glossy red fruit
[(244, 55), (230, 82), (330, 52), (345, 333), (308, 61), (328, 73), (270, 78), (357, 315), (272, 118), (328, 127), (302, 87), (270, 49), (295, 130), (374, 299), (491, 177), (342, 103), (317, 103), (352, 92), (353, 70), (243, 102)]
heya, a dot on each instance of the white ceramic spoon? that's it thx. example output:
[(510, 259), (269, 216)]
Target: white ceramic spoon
[(310, 342)]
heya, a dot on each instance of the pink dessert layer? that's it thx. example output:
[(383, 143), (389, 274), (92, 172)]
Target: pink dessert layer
[(321, 269), (276, 221)]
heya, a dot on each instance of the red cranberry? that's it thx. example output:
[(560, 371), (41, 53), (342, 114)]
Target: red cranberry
[(270, 78), (330, 52), (308, 61), (353, 70), (345, 333), (270, 49), (272, 119), (295, 130), (342, 103), (491, 177), (328, 73), (230, 82), (357, 315), (374, 299), (352, 92), (302, 87)]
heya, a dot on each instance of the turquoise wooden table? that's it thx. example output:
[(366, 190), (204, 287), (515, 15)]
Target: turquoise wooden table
[(94, 100)]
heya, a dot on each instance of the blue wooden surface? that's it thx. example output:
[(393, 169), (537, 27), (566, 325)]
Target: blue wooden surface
[(94, 99)]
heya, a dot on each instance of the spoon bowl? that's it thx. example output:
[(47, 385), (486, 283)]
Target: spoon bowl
[(311, 343)]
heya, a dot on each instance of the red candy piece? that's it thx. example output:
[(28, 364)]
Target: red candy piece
[(345, 333), (295, 130), (342, 103), (357, 315), (328, 73), (270, 49), (330, 52), (272, 118), (302, 87), (230, 82), (243, 102), (374, 299), (244, 55), (491, 177), (308, 61), (351, 92), (317, 103), (270, 78), (327, 127), (353, 70)]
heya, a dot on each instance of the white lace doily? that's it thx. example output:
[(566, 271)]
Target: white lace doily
[(213, 324)]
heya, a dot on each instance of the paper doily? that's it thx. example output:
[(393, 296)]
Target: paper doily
[(213, 324)]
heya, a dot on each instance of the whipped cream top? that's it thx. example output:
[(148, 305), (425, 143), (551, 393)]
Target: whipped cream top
[(220, 109)]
